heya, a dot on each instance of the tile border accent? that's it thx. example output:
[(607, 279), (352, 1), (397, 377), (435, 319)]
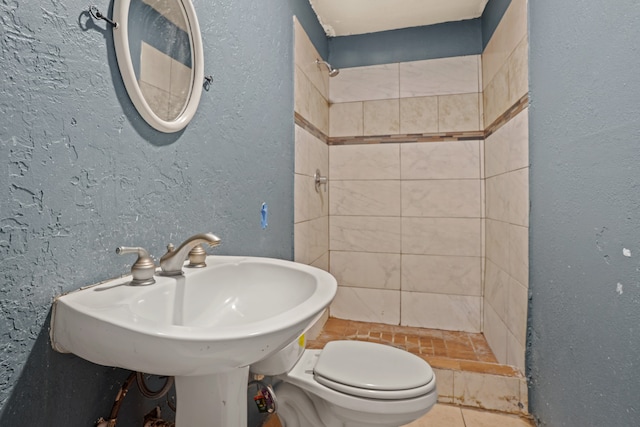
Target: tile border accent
[(405, 138), (504, 118), (310, 127)]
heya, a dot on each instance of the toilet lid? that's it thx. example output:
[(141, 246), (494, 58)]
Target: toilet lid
[(372, 370)]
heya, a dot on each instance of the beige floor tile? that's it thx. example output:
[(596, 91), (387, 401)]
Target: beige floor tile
[(440, 416), (475, 418)]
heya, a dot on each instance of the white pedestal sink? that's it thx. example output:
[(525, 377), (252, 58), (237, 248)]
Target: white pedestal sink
[(205, 328)]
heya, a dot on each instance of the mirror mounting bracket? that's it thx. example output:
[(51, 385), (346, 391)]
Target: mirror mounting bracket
[(95, 12)]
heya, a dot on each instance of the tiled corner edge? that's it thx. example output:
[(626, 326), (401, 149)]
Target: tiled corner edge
[(444, 383), (492, 392)]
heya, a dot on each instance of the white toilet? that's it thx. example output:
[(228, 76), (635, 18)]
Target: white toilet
[(349, 384)]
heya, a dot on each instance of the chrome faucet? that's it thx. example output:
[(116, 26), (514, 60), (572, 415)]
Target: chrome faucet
[(171, 263)]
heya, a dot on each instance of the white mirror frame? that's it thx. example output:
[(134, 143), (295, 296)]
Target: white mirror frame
[(123, 55)]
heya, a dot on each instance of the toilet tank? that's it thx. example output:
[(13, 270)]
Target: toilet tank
[(282, 361)]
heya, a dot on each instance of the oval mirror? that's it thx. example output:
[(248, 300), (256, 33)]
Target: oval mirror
[(159, 52)]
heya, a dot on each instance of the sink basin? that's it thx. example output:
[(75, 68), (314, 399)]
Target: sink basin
[(234, 312), (204, 327)]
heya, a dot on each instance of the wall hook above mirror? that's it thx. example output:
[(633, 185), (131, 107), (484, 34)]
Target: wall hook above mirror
[(95, 12)]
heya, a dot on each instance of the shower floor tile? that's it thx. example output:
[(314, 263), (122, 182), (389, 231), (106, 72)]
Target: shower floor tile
[(460, 351)]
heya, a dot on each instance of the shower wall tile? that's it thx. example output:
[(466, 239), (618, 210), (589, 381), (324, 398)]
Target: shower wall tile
[(498, 243), (382, 117), (518, 196), (365, 83), (346, 119), (482, 172), (441, 236), (497, 151), (311, 208), (481, 110), (441, 274), (301, 242), (458, 113), (378, 198), (366, 270), (483, 241), (322, 262), (496, 96), (441, 76), (419, 115), (518, 71), (376, 161), (441, 160), (365, 234), (510, 31), (302, 140), (441, 311), (507, 149), (516, 315), (309, 102), (441, 198), (496, 288), (318, 203), (495, 331), (301, 199), (305, 55), (311, 154), (505, 83), (318, 156), (519, 254), (518, 129), (309, 204), (318, 237), (515, 352), (498, 201), (367, 305)]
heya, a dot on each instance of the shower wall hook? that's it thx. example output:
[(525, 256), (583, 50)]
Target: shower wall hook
[(93, 10)]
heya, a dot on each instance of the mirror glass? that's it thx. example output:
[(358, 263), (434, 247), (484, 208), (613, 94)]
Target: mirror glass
[(159, 53)]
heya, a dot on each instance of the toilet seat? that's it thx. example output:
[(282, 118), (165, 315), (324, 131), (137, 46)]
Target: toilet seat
[(362, 411), (373, 371)]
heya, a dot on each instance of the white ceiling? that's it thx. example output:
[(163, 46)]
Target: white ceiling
[(347, 17)]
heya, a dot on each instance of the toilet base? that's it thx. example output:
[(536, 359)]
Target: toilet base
[(297, 408)]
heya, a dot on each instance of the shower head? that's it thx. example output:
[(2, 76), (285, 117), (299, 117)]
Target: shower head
[(332, 71)]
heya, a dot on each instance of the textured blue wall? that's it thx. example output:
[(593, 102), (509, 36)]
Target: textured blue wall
[(584, 343), (408, 44), (491, 16), (446, 40), (82, 173)]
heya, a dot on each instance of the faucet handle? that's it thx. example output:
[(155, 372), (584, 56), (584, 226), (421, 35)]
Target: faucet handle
[(197, 257), (143, 269)]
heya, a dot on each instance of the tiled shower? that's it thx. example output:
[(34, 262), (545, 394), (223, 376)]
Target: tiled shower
[(425, 220)]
